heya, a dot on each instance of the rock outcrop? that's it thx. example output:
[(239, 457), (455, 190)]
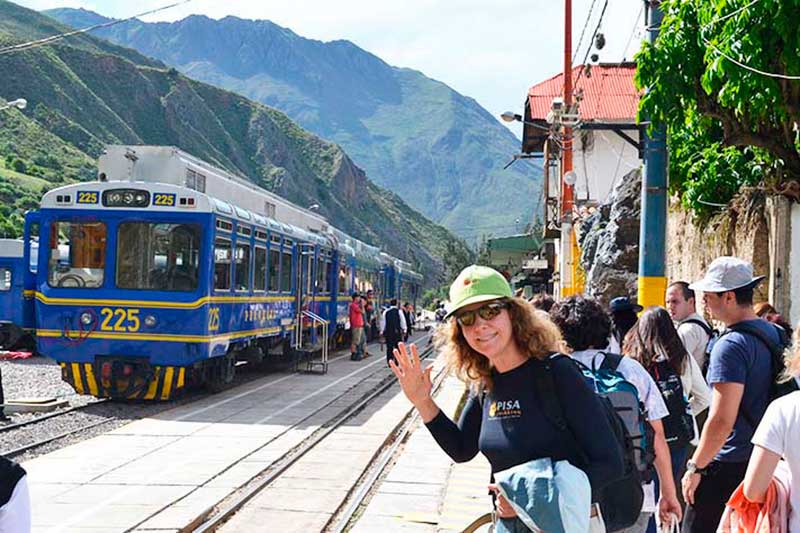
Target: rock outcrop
[(609, 242)]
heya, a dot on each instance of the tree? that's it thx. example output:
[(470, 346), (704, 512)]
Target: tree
[(727, 126)]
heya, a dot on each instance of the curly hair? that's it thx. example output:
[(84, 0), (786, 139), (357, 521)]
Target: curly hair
[(534, 334), (793, 358), (583, 323)]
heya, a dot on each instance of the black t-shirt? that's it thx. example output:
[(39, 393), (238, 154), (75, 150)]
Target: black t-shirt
[(509, 427), (10, 474)]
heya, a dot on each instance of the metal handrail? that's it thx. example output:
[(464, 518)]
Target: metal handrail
[(318, 320)]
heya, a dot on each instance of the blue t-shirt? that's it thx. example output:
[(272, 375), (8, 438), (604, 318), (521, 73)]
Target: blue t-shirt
[(742, 358)]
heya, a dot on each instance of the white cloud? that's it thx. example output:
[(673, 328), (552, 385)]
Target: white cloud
[(491, 51)]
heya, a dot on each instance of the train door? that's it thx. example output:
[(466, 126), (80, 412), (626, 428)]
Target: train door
[(304, 283)]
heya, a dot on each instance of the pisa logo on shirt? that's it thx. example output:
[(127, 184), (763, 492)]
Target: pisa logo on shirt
[(500, 409)]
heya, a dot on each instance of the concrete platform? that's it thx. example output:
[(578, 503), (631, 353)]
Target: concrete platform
[(159, 473), (425, 491)]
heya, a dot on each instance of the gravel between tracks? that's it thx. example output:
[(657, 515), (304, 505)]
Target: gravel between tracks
[(40, 377)]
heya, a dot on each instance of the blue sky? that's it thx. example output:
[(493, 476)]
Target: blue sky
[(490, 51)]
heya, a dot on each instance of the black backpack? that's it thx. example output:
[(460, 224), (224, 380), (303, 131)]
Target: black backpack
[(620, 499), (679, 423), (777, 362), (713, 337)]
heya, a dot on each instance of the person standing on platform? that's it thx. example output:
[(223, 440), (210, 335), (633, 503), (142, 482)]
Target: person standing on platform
[(407, 314), (503, 350), (624, 314), (369, 317), (356, 329), (693, 329), (740, 374), (393, 328)]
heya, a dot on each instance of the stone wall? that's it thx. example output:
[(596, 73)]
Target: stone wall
[(741, 230), (755, 227)]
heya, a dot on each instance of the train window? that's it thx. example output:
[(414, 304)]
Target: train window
[(242, 274), (77, 254), (260, 271), (222, 264), (274, 270), (344, 280), (286, 271), (320, 284), (329, 277), (5, 279), (159, 257)]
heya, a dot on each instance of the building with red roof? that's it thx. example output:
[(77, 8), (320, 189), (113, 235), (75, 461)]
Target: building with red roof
[(606, 142)]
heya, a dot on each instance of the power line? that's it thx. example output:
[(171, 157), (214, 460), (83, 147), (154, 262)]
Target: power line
[(583, 63), (633, 32), (583, 31), (748, 67), (53, 38)]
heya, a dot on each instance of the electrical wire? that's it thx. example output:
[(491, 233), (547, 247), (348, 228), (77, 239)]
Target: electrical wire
[(53, 38), (633, 32), (588, 50), (748, 67), (583, 31)]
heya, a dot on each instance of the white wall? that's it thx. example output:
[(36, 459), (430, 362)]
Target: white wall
[(601, 163)]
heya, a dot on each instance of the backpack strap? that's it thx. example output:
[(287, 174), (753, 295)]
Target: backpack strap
[(706, 327), (775, 350), (551, 406), (610, 361)]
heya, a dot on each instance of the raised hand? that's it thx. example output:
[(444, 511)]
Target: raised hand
[(414, 380)]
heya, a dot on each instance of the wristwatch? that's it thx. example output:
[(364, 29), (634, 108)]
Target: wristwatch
[(692, 468)]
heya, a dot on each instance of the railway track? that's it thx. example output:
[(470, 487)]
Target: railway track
[(216, 516)]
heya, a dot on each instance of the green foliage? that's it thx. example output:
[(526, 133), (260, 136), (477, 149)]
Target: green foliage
[(726, 126)]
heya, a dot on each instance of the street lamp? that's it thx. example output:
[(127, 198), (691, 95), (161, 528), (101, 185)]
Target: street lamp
[(19, 103), (508, 116)]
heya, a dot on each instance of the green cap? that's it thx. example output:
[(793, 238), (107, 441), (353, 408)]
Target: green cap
[(477, 284)]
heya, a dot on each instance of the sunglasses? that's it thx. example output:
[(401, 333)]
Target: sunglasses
[(486, 312)]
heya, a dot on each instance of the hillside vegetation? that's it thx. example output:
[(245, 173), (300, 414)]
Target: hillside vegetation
[(439, 150), (85, 93)]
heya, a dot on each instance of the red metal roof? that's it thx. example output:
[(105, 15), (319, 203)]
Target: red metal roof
[(608, 93)]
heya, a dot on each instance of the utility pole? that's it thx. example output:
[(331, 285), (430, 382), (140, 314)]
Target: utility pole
[(569, 247), (653, 226)]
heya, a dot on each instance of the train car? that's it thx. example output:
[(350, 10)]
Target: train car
[(168, 271), (17, 326), (409, 283)]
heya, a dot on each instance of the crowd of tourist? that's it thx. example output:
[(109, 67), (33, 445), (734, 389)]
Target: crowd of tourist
[(620, 418)]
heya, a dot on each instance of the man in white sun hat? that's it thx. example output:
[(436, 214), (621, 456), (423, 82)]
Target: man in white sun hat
[(740, 373)]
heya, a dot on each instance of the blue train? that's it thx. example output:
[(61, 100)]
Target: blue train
[(167, 271)]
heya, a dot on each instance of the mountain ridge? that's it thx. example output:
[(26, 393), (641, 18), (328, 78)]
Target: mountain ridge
[(83, 96), (439, 150)]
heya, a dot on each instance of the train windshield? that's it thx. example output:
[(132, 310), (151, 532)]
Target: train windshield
[(77, 254), (159, 257)]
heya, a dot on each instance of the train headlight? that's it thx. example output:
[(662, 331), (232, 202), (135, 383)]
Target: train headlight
[(150, 321), (86, 319)]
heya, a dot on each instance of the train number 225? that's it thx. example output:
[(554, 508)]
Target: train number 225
[(120, 320)]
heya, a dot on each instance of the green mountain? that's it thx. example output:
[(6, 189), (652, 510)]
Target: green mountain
[(440, 151), (84, 93)]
